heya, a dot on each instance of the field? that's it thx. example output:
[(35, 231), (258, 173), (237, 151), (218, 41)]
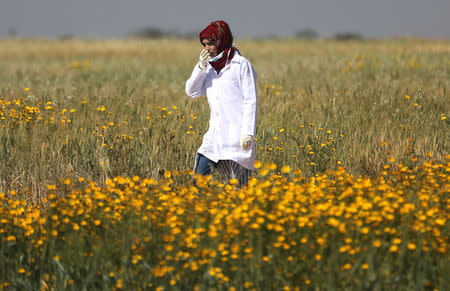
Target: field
[(351, 189)]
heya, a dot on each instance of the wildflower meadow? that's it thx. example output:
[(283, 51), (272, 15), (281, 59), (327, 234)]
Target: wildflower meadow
[(350, 189)]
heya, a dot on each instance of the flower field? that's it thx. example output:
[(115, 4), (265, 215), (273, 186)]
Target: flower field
[(332, 231), (350, 192)]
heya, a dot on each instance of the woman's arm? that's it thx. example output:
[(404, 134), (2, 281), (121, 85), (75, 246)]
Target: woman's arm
[(195, 84), (248, 81)]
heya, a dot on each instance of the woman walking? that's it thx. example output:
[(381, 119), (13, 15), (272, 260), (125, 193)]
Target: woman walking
[(229, 82)]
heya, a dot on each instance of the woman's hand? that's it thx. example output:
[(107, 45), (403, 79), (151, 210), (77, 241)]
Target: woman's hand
[(246, 141), (204, 57)]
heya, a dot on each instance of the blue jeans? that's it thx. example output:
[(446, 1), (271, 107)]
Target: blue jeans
[(228, 169), (204, 165)]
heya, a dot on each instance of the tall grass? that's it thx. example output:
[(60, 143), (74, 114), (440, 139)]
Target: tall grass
[(321, 104), (97, 138)]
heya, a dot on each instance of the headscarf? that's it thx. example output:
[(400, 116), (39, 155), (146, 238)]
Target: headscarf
[(220, 31)]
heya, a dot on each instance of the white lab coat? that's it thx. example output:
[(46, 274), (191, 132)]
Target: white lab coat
[(231, 96)]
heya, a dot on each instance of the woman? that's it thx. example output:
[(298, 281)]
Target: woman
[(229, 82)]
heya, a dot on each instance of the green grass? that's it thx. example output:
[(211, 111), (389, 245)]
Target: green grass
[(355, 90)]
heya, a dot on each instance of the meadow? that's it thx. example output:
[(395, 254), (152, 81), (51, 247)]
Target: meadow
[(351, 189)]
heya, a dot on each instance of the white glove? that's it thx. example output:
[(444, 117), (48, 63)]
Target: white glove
[(204, 57), (246, 141)]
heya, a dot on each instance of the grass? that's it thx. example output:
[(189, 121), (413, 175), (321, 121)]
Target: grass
[(97, 139), (354, 90)]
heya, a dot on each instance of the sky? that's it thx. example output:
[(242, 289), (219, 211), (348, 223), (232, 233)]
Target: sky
[(247, 18)]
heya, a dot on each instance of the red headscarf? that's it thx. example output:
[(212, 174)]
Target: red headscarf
[(220, 31)]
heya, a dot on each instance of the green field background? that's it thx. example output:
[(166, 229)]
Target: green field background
[(97, 138), (106, 108)]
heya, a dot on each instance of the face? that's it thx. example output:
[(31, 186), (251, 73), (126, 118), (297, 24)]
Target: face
[(211, 46)]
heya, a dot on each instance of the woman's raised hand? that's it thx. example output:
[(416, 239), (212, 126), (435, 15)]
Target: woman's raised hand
[(204, 57)]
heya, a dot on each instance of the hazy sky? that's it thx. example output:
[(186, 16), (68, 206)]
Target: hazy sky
[(116, 18)]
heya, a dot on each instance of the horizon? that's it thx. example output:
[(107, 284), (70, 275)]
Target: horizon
[(102, 19)]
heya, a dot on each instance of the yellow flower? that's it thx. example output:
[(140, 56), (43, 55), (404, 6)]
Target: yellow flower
[(271, 166), (51, 187), (343, 249), (234, 181), (397, 241), (393, 248), (440, 221), (346, 267), (286, 169), (411, 246), (263, 172), (119, 283)]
